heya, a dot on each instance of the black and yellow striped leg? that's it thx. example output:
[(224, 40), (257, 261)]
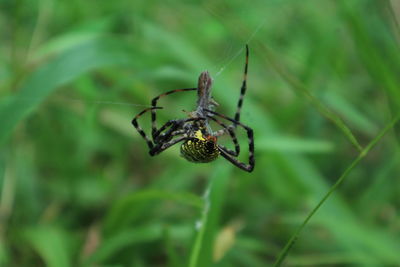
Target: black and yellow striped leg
[(140, 130), (159, 136), (242, 89), (235, 161), (169, 134), (163, 146), (154, 103), (232, 135), (174, 130), (164, 140), (247, 167)]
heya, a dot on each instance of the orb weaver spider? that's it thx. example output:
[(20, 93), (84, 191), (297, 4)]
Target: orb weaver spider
[(199, 141)]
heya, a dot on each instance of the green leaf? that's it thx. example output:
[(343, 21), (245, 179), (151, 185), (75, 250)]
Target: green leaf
[(51, 245)]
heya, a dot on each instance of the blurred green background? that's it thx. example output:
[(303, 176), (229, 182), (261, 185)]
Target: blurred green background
[(78, 187)]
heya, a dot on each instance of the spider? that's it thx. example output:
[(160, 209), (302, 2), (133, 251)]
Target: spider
[(199, 140)]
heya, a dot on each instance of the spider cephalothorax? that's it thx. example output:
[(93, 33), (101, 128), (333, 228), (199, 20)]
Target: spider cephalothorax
[(199, 140)]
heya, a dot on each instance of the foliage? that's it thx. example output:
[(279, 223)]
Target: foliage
[(78, 187)]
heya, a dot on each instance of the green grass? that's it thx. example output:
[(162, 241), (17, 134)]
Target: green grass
[(78, 187)]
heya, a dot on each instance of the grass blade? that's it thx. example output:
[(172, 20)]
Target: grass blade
[(201, 254), (362, 154)]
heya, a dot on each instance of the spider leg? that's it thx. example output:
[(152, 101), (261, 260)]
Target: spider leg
[(164, 136), (235, 161), (154, 103), (140, 130), (247, 167), (163, 146), (175, 124), (231, 133), (149, 142), (242, 90), (161, 139), (164, 140)]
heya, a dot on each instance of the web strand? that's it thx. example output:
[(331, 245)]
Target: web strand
[(253, 34), (100, 102), (233, 57)]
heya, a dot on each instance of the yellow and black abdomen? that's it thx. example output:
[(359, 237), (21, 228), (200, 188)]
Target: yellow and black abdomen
[(199, 151)]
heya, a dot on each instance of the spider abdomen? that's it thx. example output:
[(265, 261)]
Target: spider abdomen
[(199, 151)]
